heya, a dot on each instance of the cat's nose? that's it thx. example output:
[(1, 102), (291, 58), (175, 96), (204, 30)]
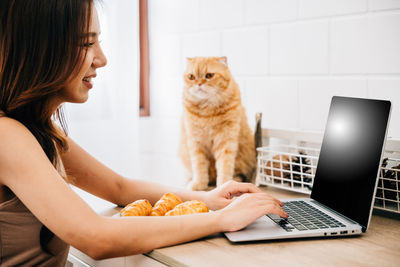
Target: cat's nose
[(200, 84)]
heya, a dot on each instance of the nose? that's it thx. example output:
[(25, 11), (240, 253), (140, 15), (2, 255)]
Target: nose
[(100, 59), (201, 81)]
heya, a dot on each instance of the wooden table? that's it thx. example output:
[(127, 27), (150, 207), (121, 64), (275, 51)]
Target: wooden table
[(379, 246)]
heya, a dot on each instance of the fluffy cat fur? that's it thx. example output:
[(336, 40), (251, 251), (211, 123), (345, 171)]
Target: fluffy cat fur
[(216, 141)]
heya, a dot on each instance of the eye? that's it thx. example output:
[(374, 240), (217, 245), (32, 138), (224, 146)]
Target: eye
[(190, 76), (209, 75), (90, 44)]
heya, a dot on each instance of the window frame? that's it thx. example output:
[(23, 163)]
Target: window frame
[(144, 84)]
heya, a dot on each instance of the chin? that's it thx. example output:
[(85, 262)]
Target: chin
[(80, 99), (83, 100)]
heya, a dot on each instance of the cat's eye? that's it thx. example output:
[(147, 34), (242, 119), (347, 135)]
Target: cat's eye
[(190, 76), (209, 75)]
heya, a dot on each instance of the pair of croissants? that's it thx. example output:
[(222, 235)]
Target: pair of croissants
[(168, 205)]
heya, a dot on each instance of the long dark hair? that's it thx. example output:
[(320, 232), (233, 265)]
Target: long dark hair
[(41, 43)]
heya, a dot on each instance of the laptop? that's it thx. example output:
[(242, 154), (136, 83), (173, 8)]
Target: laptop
[(345, 181)]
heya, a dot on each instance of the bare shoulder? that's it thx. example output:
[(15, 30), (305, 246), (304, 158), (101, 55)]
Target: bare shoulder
[(12, 132), (15, 141)]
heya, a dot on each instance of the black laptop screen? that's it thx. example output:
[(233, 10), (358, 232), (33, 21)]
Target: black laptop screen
[(350, 154)]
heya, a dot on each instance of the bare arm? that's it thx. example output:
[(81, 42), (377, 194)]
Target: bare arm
[(25, 169), (94, 177)]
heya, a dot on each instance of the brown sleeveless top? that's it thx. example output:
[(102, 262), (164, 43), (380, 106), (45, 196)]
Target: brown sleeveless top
[(24, 240)]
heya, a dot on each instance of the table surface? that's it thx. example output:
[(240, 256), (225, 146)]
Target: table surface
[(379, 246)]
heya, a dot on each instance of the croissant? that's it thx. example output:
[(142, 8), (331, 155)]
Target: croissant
[(140, 207), (167, 202), (188, 207)]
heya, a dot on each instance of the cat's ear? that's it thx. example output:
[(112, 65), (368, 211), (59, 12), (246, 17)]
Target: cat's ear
[(189, 61), (223, 60)]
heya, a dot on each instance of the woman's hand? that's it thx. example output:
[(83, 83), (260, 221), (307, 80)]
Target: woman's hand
[(247, 208), (241, 204), (223, 195)]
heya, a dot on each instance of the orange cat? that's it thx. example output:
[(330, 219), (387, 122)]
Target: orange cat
[(216, 141)]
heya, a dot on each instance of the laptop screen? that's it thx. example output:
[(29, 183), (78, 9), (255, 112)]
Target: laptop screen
[(350, 155)]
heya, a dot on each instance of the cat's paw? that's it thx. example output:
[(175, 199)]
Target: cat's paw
[(197, 186)]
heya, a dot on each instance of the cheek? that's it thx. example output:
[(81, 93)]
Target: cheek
[(73, 85), (220, 83), (211, 84), (189, 83), (86, 62)]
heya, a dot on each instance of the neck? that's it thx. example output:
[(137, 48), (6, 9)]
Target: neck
[(220, 111)]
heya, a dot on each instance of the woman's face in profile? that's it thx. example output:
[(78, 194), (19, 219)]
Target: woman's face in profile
[(76, 90)]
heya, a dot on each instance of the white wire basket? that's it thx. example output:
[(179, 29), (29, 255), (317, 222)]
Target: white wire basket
[(287, 166), (292, 167), (388, 191)]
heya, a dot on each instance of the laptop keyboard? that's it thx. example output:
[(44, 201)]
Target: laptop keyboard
[(303, 216)]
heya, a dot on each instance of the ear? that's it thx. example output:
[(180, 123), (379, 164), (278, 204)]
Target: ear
[(189, 61), (223, 60)]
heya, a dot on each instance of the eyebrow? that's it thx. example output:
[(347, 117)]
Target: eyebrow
[(93, 34)]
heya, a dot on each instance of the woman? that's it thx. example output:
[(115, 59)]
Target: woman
[(49, 53)]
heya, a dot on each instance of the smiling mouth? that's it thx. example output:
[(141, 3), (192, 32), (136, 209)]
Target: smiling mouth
[(87, 81)]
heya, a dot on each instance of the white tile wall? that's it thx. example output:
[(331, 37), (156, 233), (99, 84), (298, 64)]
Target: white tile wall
[(160, 135), (166, 97), (161, 169), (383, 4), (175, 15), (266, 11), (276, 98), (299, 48), (215, 14), (201, 44), (315, 97), (289, 58), (115, 143), (367, 44), (247, 50), (318, 8), (164, 49)]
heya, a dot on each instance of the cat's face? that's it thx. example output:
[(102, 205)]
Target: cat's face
[(206, 78)]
